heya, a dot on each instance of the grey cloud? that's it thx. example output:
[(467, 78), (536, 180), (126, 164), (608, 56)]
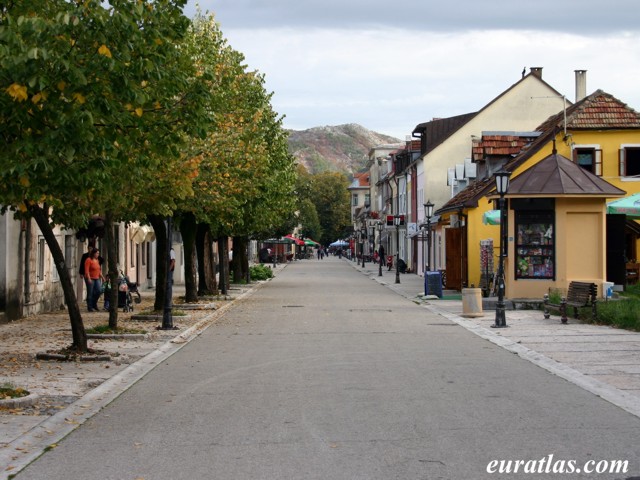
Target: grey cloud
[(576, 16)]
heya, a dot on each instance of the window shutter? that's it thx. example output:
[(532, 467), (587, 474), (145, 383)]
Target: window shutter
[(621, 162), (598, 162)]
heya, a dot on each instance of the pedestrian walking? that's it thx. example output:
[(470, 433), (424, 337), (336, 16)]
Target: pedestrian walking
[(383, 258), (93, 275)]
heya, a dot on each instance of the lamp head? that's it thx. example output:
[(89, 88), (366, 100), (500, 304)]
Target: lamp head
[(428, 208), (502, 181)]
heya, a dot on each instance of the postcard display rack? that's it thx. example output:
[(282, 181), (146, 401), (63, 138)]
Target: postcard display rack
[(535, 256)]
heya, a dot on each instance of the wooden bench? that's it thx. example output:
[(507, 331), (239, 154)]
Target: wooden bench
[(580, 294)]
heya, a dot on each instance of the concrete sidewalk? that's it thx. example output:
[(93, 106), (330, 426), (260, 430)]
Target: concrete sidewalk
[(601, 359)]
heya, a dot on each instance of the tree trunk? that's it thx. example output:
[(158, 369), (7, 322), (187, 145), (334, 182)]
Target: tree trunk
[(223, 258), (112, 263), (188, 231), (240, 261), (41, 216), (162, 250), (207, 284)]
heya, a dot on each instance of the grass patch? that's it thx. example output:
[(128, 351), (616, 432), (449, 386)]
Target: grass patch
[(107, 330), (622, 313), (9, 391)]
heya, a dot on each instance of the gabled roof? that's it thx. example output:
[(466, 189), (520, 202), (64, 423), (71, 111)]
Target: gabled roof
[(600, 110), (360, 180), (437, 131), (556, 175)]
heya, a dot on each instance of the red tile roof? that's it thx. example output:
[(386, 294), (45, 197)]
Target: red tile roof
[(362, 178), (599, 110), (499, 145)]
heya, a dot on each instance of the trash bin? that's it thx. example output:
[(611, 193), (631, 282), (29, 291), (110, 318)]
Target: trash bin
[(607, 290), (433, 284), (472, 302)]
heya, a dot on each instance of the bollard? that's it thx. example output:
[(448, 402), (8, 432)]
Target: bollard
[(472, 302)]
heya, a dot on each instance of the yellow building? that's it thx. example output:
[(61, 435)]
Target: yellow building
[(601, 136)]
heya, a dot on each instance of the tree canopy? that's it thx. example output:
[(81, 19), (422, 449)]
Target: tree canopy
[(128, 108)]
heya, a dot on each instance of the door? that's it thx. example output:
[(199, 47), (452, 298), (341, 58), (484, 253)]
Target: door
[(616, 271), (454, 254)]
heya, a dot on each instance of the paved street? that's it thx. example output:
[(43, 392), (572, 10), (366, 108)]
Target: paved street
[(324, 374)]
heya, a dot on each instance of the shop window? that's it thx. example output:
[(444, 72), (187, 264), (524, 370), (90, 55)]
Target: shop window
[(535, 253), (629, 156), (589, 158)]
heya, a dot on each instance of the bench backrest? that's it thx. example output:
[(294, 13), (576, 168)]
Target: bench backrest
[(582, 292)]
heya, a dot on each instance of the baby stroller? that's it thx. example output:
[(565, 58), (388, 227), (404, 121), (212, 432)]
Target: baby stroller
[(126, 292)]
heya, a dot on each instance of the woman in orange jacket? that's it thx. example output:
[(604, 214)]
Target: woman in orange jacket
[(94, 278)]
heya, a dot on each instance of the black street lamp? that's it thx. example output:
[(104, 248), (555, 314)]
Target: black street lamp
[(380, 226), (363, 236), (354, 251), (363, 231), (396, 221), (502, 186), (428, 209), (167, 314)]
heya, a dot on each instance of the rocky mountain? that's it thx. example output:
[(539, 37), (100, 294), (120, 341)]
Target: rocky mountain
[(335, 148)]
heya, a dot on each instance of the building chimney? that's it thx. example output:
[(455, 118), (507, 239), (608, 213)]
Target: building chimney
[(581, 84), (537, 71)]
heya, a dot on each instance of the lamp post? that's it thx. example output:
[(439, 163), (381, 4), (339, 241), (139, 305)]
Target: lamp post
[(380, 260), (364, 231), (371, 236), (502, 186), (363, 236), (354, 251), (396, 221), (167, 315), (428, 209)]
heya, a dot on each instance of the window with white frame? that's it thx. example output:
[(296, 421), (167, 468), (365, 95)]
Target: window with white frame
[(354, 200), (588, 157), (629, 160)]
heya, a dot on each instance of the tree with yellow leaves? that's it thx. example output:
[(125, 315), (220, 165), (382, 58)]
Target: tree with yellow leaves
[(245, 173), (95, 103)]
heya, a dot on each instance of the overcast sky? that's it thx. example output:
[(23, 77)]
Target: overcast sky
[(392, 64)]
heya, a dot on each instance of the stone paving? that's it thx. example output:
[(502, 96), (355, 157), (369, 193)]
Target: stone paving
[(600, 359)]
